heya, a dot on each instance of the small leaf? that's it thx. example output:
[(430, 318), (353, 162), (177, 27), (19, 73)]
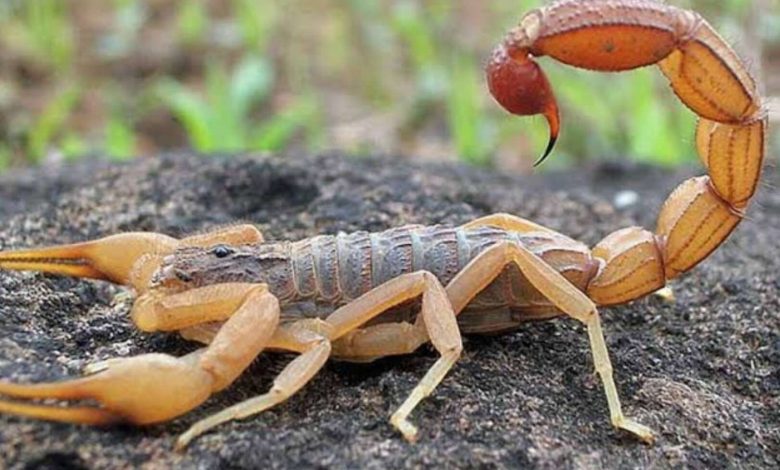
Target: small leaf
[(192, 21), (277, 132), (251, 83), (50, 121), (119, 138), (191, 111)]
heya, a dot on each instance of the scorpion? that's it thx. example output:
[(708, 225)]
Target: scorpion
[(363, 296)]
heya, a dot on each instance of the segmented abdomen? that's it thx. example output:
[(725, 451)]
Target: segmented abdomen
[(336, 269)]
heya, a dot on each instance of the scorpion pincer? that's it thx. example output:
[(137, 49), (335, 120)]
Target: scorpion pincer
[(341, 295)]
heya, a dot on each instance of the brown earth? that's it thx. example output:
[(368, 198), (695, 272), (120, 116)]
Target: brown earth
[(702, 371)]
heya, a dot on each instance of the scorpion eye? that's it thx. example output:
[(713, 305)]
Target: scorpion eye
[(221, 251)]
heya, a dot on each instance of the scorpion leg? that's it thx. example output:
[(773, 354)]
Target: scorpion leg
[(152, 388), (308, 337), (437, 319), (375, 341), (490, 263), (314, 349), (203, 333)]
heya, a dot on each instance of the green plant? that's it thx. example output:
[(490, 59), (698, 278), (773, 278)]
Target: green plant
[(129, 17), (119, 139), (51, 122), (42, 28), (276, 132), (222, 120), (192, 21), (415, 64), (5, 156), (72, 146), (468, 124), (256, 21)]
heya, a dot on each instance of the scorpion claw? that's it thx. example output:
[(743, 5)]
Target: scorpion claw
[(81, 415), (73, 389), (114, 258), (145, 389)]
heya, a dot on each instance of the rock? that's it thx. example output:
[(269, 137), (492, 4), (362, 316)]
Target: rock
[(702, 371)]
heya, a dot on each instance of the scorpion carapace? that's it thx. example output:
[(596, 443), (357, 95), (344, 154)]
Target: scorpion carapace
[(240, 295)]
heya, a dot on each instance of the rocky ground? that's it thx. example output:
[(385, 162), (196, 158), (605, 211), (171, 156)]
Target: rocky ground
[(702, 371)]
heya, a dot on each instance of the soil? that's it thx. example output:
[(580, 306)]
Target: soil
[(702, 370)]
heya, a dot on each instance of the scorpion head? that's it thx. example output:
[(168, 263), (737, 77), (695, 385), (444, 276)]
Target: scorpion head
[(193, 266)]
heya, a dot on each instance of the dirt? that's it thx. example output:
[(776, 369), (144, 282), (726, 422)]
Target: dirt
[(702, 371)]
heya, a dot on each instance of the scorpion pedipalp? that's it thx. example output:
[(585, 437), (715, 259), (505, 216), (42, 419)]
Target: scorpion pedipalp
[(114, 258)]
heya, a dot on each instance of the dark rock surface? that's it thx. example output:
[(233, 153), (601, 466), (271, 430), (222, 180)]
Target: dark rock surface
[(703, 371)]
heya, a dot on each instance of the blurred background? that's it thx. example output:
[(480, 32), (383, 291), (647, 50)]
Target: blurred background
[(129, 78)]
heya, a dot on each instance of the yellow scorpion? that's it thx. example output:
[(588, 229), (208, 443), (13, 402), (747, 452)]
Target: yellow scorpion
[(236, 294)]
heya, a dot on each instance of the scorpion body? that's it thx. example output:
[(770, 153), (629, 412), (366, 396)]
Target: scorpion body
[(389, 293), (312, 276)]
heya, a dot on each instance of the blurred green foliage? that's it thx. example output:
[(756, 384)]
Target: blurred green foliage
[(43, 31), (124, 77), (221, 121)]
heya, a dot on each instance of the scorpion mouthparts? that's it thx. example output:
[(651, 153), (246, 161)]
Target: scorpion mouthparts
[(183, 276), (168, 274)]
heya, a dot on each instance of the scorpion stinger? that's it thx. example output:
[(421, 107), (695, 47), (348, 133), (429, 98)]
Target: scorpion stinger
[(518, 83), (548, 150)]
